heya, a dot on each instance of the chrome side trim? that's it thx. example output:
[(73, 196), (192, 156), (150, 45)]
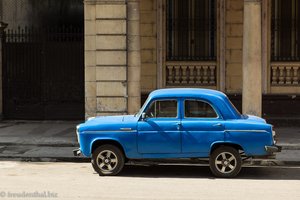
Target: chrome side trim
[(132, 131), (257, 131)]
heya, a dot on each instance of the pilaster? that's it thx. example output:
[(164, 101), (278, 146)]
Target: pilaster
[(105, 57), (134, 56), (252, 62)]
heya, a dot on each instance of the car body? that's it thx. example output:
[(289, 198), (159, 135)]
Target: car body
[(175, 124)]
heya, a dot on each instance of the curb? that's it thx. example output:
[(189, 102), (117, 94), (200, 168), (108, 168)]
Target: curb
[(284, 146), (290, 146), (41, 144), (268, 163), (45, 159)]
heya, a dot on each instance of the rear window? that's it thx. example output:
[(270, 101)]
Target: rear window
[(198, 109)]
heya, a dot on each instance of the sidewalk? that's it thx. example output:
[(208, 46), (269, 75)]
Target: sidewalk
[(38, 140), (55, 140)]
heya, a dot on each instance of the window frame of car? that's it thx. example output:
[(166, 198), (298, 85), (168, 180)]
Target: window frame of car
[(163, 99), (219, 116)]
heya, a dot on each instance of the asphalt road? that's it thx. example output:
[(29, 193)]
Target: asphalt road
[(79, 181)]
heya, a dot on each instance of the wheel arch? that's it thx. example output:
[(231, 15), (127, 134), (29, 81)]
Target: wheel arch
[(99, 142), (216, 145)]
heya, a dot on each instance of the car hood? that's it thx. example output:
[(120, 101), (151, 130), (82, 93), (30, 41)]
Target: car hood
[(109, 123)]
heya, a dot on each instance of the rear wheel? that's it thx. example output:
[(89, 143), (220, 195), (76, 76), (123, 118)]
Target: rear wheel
[(108, 160), (225, 162)]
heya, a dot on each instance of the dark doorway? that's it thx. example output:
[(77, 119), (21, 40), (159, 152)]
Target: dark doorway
[(43, 65)]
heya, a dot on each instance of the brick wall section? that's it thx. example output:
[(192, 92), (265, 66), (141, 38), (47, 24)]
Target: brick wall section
[(148, 44), (234, 45)]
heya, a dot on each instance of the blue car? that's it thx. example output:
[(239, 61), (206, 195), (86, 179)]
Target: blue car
[(177, 124)]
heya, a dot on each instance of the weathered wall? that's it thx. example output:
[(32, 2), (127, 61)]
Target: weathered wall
[(234, 45), (41, 12), (148, 45)]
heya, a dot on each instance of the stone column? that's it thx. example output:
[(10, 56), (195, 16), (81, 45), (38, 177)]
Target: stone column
[(105, 57), (133, 55), (252, 63), (2, 27)]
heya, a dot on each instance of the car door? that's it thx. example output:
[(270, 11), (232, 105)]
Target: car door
[(159, 131), (201, 125)]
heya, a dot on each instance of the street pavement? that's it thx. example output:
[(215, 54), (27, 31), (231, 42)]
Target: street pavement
[(55, 140), (58, 180)]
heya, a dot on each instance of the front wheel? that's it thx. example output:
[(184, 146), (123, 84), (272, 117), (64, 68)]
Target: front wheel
[(225, 162), (107, 160)]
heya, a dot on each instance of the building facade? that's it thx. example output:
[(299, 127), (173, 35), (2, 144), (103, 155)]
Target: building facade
[(138, 46), (248, 49)]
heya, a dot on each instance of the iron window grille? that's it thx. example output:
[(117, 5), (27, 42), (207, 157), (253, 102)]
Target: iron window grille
[(191, 30), (285, 30)]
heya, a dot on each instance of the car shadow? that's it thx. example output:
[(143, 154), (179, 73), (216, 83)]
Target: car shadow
[(179, 171)]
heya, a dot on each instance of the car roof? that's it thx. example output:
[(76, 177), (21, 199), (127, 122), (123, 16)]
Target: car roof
[(186, 92)]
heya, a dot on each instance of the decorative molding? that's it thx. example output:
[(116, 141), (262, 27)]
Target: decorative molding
[(253, 1), (99, 2), (191, 74), (285, 74)]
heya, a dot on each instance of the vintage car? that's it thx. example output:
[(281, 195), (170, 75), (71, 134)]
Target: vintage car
[(177, 124)]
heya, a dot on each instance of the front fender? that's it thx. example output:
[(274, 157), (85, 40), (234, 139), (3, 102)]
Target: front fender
[(125, 140), (88, 140), (105, 140)]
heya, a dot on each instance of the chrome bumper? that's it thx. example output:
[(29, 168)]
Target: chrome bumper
[(273, 149), (76, 152)]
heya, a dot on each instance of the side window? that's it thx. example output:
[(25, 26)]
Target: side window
[(198, 109), (162, 108)]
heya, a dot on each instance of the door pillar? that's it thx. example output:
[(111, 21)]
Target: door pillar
[(252, 62)]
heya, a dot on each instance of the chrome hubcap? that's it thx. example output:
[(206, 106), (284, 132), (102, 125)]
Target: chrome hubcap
[(107, 161), (225, 162)]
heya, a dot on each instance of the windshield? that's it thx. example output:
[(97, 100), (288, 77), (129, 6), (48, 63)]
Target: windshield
[(143, 108)]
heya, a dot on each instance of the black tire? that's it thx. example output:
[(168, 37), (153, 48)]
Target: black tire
[(225, 162), (108, 160)]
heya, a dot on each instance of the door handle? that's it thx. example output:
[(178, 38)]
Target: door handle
[(125, 129), (178, 125), (218, 124)]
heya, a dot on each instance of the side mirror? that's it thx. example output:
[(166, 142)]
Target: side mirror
[(144, 116)]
